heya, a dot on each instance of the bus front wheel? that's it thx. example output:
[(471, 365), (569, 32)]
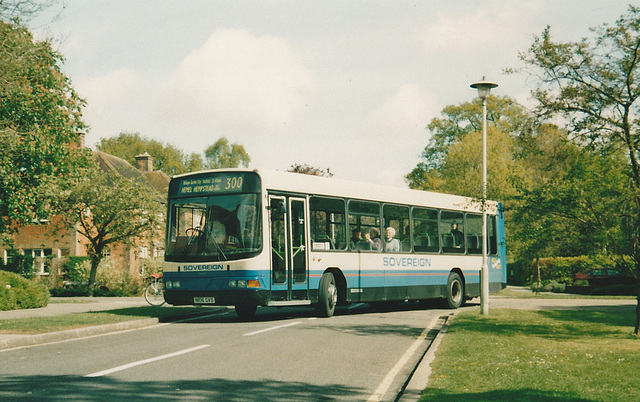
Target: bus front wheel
[(327, 295), (455, 290)]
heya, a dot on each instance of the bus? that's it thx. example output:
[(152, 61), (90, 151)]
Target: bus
[(249, 238)]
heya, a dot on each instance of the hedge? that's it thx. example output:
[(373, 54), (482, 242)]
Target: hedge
[(559, 269), (17, 292)]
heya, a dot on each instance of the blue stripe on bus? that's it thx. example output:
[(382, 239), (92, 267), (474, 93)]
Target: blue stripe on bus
[(216, 280)]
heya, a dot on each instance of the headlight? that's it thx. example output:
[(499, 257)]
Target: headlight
[(242, 284), (233, 284)]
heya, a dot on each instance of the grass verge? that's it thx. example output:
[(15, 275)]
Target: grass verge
[(38, 325), (521, 355)]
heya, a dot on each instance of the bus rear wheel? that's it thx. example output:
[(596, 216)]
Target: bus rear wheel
[(246, 311), (327, 295), (455, 290)]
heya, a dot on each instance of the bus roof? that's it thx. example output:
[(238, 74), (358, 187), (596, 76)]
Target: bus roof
[(322, 186)]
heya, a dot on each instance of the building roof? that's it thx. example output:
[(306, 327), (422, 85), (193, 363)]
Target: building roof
[(110, 163)]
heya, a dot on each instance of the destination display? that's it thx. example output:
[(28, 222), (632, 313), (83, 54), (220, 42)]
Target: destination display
[(214, 184)]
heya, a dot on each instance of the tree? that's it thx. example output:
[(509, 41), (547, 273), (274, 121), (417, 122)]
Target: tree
[(543, 179), (595, 85), (167, 158), (452, 160), (40, 120), (106, 209), (223, 155), (25, 9), (310, 170), (460, 120)]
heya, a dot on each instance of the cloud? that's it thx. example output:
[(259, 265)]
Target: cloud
[(409, 109), (111, 88), (495, 25), (111, 102), (393, 135), (236, 81)]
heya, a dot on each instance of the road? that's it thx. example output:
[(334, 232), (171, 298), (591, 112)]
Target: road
[(284, 355)]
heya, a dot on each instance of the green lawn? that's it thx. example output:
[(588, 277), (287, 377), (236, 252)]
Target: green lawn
[(36, 325), (521, 355)]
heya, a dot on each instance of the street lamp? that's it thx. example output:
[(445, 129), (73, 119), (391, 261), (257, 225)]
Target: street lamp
[(484, 88)]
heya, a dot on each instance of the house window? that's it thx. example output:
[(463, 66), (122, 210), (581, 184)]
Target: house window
[(144, 252), (41, 259)]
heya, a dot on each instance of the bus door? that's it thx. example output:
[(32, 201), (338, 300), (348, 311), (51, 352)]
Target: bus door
[(289, 254)]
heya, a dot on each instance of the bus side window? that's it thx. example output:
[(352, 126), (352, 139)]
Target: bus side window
[(365, 217), (474, 233), (328, 223), (396, 217), (425, 230), (493, 240), (452, 232)]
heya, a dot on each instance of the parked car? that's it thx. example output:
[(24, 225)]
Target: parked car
[(603, 277)]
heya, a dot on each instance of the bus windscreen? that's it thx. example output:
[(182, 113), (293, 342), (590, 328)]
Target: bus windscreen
[(214, 217)]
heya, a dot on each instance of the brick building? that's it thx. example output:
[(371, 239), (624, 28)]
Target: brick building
[(50, 244)]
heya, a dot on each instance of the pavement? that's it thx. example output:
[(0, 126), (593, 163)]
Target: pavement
[(415, 385)]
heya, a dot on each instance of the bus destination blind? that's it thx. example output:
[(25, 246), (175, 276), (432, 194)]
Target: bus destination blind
[(208, 185)]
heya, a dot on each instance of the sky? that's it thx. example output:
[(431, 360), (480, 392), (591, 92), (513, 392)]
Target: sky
[(345, 85)]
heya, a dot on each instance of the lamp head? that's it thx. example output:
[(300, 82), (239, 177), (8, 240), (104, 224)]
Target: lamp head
[(483, 87)]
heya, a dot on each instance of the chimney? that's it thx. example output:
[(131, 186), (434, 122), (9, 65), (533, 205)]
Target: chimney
[(144, 162), (79, 144)]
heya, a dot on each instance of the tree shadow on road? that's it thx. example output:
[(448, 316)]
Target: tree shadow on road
[(107, 388)]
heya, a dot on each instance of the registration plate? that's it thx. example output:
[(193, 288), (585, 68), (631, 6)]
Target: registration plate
[(204, 300)]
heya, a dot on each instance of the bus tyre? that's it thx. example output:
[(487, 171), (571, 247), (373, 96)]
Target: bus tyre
[(246, 311), (455, 291), (327, 295)]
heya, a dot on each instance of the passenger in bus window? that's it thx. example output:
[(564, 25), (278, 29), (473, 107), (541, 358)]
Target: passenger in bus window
[(373, 238), (458, 236), (357, 242), (391, 244)]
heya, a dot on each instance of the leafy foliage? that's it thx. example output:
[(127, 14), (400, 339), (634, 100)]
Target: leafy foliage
[(107, 209), (17, 292), (310, 170), (166, 158), (40, 118), (21, 265), (224, 155), (172, 160), (595, 85)]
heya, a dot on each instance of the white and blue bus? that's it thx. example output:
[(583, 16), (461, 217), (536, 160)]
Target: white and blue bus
[(249, 238)]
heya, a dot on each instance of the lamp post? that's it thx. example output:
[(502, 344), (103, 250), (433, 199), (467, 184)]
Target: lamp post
[(484, 88)]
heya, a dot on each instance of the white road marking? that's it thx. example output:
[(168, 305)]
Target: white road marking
[(272, 328), (138, 363), (382, 389)]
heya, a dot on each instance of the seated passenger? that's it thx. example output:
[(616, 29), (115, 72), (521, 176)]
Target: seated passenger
[(373, 239), (458, 236), (391, 244), (357, 242)]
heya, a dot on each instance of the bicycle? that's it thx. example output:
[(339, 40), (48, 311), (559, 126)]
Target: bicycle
[(154, 292)]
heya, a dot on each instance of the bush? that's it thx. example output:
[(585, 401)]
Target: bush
[(151, 265), (549, 286), (21, 265), (112, 281), (17, 292), (620, 290), (559, 269), (581, 283), (77, 269)]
